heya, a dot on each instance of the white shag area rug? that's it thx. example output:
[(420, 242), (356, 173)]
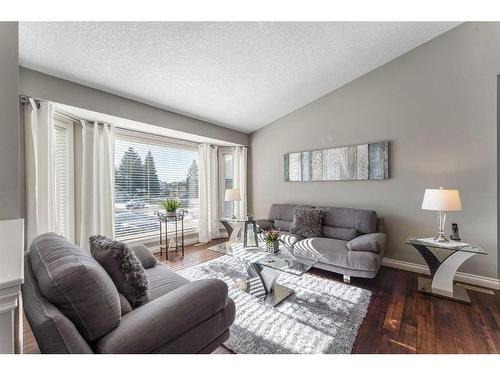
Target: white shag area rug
[(323, 316)]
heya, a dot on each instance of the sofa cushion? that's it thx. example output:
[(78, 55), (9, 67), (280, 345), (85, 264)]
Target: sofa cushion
[(163, 281), (290, 239), (335, 252), (282, 225), (76, 284), (124, 268), (307, 222), (284, 211), (364, 221), (345, 234), (147, 259)]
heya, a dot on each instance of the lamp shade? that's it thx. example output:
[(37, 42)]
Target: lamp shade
[(441, 200), (232, 195)]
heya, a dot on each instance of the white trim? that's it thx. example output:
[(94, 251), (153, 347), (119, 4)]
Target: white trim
[(486, 282), (148, 138)]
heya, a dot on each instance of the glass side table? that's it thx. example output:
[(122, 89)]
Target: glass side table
[(177, 237), (233, 226), (443, 271)]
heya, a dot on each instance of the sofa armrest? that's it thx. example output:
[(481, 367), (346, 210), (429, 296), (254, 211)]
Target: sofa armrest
[(372, 242), (162, 320), (264, 224)]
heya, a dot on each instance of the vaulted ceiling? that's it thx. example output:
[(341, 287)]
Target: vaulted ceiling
[(242, 75)]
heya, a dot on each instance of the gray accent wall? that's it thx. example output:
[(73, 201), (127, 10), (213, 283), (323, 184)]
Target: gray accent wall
[(437, 105), (43, 86), (10, 185)]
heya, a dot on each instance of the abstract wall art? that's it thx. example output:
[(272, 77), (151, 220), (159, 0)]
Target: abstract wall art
[(369, 161)]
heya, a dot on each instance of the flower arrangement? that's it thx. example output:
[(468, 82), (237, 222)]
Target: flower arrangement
[(170, 205), (271, 237)]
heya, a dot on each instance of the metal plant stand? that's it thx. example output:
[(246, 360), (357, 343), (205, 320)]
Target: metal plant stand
[(178, 236)]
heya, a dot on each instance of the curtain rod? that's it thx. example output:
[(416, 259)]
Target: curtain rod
[(25, 99)]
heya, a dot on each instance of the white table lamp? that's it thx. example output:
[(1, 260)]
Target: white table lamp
[(232, 195), (442, 201)]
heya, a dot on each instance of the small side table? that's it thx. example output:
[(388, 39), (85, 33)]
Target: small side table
[(234, 227), (178, 221), (443, 272)]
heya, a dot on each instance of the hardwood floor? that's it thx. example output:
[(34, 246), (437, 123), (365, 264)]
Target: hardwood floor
[(399, 319)]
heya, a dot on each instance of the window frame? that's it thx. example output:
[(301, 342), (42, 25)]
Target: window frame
[(63, 122)]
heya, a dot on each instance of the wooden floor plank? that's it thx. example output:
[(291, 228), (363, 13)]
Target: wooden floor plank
[(399, 319)]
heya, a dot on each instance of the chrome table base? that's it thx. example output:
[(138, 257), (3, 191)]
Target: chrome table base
[(459, 293)]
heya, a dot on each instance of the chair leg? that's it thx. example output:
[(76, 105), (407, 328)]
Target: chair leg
[(347, 279)]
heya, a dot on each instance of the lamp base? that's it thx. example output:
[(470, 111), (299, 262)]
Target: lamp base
[(441, 238)]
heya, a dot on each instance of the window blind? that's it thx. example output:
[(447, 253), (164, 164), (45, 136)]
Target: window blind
[(228, 183), (63, 175), (148, 170)]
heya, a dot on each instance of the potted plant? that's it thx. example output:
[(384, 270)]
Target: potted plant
[(171, 206), (271, 237)]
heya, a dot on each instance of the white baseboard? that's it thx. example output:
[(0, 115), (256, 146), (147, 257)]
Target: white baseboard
[(486, 282)]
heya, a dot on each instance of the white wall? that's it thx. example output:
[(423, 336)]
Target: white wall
[(437, 105)]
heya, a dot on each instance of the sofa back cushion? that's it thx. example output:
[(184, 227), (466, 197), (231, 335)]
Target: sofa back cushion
[(283, 225), (345, 234), (76, 284), (284, 212), (364, 221)]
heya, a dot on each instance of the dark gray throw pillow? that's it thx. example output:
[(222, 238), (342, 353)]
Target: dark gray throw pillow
[(307, 222), (124, 268)]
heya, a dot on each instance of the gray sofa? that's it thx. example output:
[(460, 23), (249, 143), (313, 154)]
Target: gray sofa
[(180, 316), (352, 242)]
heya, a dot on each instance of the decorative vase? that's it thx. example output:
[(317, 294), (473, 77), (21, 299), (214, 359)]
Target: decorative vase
[(273, 247)]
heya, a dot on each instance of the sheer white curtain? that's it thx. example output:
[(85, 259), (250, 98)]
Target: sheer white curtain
[(94, 178), (208, 192), (40, 169), (240, 178)]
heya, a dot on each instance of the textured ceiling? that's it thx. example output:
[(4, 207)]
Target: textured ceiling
[(241, 75)]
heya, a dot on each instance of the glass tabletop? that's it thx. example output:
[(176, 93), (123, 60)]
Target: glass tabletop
[(285, 261), (231, 220), (450, 245)]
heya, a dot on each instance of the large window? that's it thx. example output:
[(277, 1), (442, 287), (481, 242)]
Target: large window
[(149, 169)]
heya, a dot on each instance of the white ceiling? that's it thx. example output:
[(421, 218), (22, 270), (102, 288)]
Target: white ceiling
[(242, 75)]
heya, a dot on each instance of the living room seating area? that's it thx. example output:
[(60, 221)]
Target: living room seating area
[(254, 187)]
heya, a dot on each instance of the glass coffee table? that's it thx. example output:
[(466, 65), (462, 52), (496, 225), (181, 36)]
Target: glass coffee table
[(264, 268)]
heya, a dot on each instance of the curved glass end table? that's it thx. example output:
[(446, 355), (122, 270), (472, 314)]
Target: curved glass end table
[(443, 271)]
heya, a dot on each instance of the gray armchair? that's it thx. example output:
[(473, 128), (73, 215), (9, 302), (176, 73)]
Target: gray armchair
[(180, 317)]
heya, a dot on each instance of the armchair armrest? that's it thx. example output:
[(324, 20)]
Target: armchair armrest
[(264, 224), (373, 242), (157, 322)]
